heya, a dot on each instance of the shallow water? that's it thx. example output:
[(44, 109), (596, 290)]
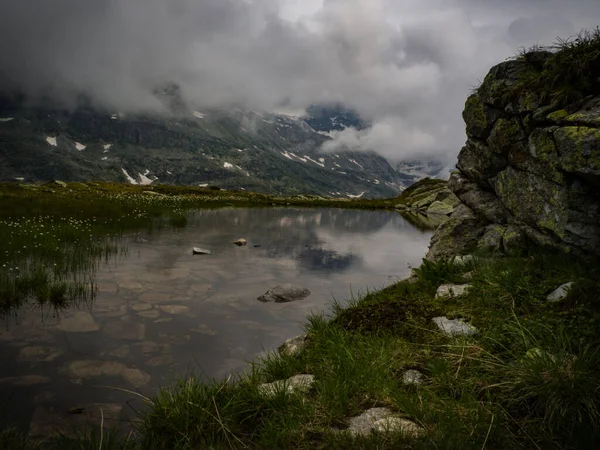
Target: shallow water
[(162, 312)]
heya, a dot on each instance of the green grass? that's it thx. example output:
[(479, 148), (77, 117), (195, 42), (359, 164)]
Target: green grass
[(529, 379), (568, 75)]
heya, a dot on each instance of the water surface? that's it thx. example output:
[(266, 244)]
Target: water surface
[(162, 312)]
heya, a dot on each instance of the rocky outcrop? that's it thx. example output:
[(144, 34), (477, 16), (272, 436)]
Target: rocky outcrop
[(529, 172), (429, 197)]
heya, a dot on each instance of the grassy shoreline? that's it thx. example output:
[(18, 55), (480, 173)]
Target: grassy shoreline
[(528, 379)]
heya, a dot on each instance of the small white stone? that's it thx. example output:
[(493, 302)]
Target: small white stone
[(397, 424), (293, 346), (295, 384), (382, 420), (455, 327), (412, 377), (463, 260), (560, 293), (452, 290)]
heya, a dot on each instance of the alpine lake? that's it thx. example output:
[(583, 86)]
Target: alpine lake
[(139, 310)]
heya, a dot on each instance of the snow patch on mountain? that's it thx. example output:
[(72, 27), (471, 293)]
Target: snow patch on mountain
[(354, 161), (316, 162), (6, 119), (107, 147), (199, 115), (245, 171), (228, 165), (51, 141), (356, 196), (79, 146), (129, 177), (144, 180)]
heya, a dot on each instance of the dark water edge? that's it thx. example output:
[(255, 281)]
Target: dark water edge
[(162, 312)]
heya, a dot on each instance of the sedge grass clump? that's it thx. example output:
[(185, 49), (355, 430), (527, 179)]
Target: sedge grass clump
[(554, 381), (568, 74)]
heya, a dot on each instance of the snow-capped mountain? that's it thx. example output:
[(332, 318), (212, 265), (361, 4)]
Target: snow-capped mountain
[(233, 149)]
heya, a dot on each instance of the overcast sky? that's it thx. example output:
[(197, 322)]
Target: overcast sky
[(406, 64)]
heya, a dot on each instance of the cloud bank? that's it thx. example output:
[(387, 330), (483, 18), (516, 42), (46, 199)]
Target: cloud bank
[(406, 66)]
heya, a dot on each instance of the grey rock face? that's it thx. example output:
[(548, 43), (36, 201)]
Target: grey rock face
[(285, 293), (526, 167), (492, 238), (459, 234)]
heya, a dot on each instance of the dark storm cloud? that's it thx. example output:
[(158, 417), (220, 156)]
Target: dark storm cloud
[(406, 65)]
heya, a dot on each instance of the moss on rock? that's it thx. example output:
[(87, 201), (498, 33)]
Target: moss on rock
[(579, 149)]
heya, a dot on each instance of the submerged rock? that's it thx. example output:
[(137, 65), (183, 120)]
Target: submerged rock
[(455, 327), (560, 293), (152, 314), (452, 290), (295, 384), (285, 293), (131, 285), (125, 330), (47, 422), (201, 251), (382, 420), (85, 369), (80, 322), (175, 309), (136, 377), (141, 306), (204, 329), (37, 354)]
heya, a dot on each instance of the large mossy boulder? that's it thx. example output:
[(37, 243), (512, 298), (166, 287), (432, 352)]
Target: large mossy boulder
[(530, 169)]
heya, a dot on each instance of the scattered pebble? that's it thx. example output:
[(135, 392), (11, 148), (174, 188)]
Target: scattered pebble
[(455, 327), (412, 377), (452, 290), (560, 293), (295, 384)]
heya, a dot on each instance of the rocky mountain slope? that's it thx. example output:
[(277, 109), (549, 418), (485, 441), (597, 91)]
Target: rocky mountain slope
[(234, 149), (530, 170)]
